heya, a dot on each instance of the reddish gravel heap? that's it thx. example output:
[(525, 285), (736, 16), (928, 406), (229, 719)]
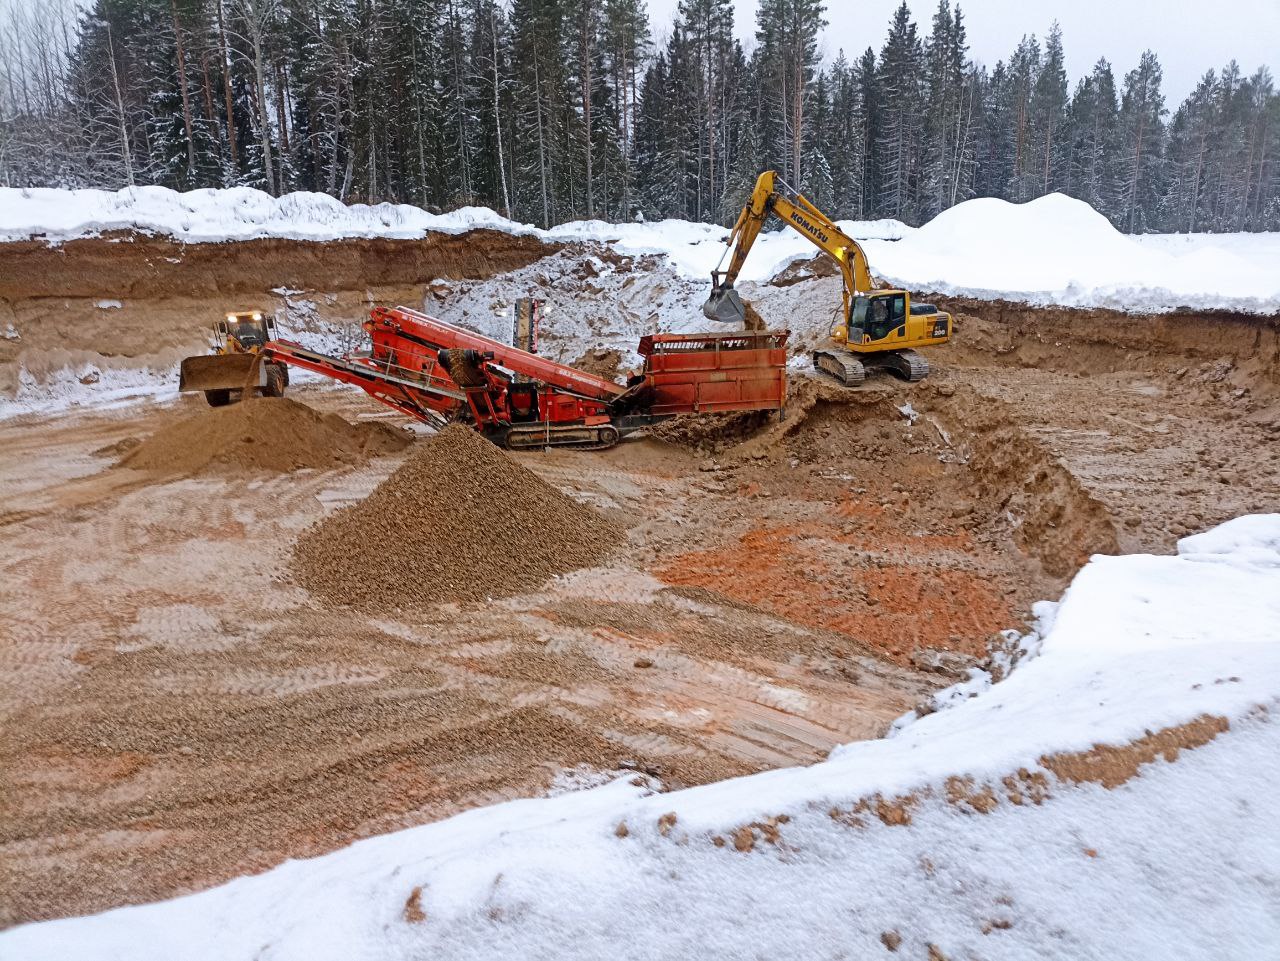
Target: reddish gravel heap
[(264, 435), (460, 521)]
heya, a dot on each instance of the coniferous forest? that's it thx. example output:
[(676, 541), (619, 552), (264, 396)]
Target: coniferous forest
[(555, 110)]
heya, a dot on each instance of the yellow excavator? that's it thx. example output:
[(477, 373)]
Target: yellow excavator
[(877, 329)]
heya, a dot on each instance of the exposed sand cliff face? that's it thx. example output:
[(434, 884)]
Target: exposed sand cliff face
[(137, 301)]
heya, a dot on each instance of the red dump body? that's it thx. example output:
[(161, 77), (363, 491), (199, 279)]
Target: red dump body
[(415, 365), (691, 373)]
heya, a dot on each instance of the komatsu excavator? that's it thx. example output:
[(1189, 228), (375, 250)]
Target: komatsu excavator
[(877, 329)]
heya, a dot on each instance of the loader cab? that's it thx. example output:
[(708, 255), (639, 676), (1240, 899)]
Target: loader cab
[(245, 332)]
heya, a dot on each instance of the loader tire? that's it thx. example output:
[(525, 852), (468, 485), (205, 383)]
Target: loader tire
[(218, 398), (276, 381)]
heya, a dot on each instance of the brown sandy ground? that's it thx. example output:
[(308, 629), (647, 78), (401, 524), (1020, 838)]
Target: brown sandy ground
[(177, 711)]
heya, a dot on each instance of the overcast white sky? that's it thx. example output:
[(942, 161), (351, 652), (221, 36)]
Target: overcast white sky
[(1189, 37)]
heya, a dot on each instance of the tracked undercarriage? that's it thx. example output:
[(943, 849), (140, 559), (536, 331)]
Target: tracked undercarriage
[(851, 369)]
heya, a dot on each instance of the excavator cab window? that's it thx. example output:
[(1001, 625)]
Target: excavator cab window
[(858, 320), (880, 321)]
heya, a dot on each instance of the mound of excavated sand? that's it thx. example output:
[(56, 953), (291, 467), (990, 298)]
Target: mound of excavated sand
[(265, 435), (461, 520)]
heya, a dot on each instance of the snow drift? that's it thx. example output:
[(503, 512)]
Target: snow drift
[(1057, 250), (1114, 797)]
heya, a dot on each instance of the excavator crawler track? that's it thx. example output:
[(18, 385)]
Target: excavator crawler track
[(907, 364), (841, 366)]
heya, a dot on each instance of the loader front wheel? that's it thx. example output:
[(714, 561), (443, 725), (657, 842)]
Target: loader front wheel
[(218, 398), (276, 380)]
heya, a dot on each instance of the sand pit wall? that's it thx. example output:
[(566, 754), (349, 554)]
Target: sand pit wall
[(1244, 349), (1017, 480), (125, 302)]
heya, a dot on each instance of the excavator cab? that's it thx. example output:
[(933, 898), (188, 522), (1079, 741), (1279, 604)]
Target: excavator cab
[(873, 317)]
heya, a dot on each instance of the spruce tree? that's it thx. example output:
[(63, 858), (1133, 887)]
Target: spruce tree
[(899, 82), (1141, 130), (1048, 141)]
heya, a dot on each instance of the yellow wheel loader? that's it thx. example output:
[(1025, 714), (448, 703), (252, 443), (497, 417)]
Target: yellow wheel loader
[(235, 365), (877, 329)]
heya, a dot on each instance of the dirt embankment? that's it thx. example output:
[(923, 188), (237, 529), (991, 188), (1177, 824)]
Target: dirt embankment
[(134, 266), (1235, 351), (131, 301), (950, 453)]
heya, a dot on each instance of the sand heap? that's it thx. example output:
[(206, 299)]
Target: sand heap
[(269, 434), (460, 521)]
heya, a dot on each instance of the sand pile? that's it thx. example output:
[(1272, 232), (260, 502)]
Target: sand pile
[(269, 434), (461, 520)]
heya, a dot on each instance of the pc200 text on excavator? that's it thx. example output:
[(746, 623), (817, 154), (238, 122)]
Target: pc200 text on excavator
[(874, 329)]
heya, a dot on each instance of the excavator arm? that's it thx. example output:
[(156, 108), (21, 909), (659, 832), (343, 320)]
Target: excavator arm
[(772, 196)]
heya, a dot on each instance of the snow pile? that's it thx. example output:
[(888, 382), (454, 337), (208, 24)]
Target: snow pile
[(969, 834), (1056, 250)]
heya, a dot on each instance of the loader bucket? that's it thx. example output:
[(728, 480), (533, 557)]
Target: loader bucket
[(725, 306), (218, 372)]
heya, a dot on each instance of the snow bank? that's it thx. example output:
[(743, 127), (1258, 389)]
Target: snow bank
[(1180, 861), (240, 213), (1052, 250)]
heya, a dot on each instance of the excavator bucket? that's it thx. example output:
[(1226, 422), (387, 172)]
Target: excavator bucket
[(218, 372), (725, 306)]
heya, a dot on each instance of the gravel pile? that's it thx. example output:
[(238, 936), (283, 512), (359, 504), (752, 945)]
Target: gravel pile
[(460, 521), (265, 435)]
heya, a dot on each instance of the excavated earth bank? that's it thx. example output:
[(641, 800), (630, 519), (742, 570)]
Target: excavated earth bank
[(127, 301)]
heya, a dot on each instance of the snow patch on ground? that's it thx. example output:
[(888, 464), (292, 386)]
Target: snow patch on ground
[(89, 385), (1180, 861), (106, 385)]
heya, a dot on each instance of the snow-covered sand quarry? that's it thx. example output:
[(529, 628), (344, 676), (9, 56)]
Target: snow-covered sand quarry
[(984, 666)]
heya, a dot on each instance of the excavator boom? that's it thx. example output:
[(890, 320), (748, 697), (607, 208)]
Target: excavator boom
[(772, 196)]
